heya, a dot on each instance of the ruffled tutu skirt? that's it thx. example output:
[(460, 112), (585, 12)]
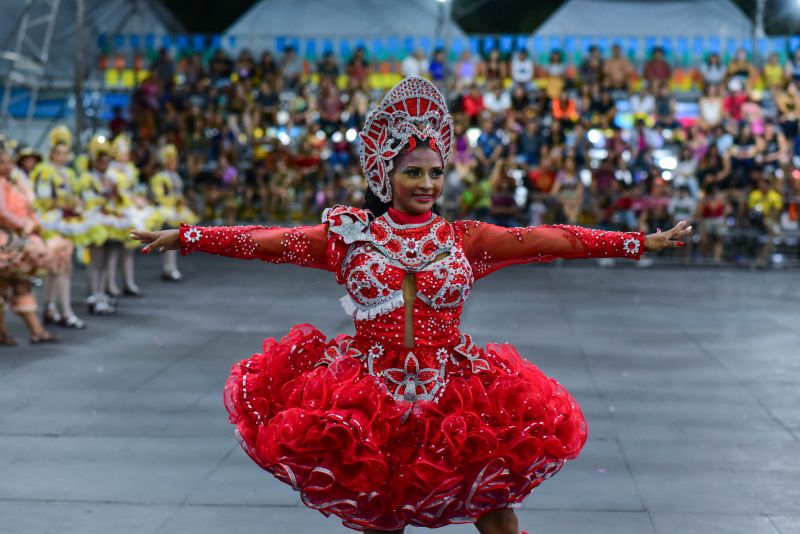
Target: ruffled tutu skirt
[(81, 230), (328, 428)]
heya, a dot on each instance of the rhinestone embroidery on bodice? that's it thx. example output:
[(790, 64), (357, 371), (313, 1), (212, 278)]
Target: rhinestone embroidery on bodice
[(381, 254)]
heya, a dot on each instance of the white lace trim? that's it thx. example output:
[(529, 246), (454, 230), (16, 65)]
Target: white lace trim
[(350, 306)]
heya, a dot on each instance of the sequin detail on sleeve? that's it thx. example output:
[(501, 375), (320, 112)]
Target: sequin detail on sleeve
[(491, 247), (303, 245)]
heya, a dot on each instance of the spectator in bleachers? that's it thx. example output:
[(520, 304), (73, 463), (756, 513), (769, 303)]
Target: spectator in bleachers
[(164, 68), (221, 67), (712, 71), (414, 64), (765, 205), (775, 148), (328, 67), (291, 68), (245, 66), (556, 74), (657, 71), (733, 102), (665, 108), (466, 71), (496, 100), (742, 70), (489, 147), (268, 70), (773, 73), (568, 189), (711, 107), (439, 70), (617, 70), (358, 69), (591, 70), (472, 103), (788, 103), (793, 66), (522, 68), (494, 68), (643, 105)]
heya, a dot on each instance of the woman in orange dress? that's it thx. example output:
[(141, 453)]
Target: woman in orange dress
[(23, 254)]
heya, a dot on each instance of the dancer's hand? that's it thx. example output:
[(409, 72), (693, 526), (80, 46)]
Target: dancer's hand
[(160, 241), (668, 239)]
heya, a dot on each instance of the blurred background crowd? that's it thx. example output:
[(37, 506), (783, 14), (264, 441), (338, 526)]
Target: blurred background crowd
[(267, 136)]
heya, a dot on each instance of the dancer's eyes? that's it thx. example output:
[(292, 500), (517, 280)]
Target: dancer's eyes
[(413, 171)]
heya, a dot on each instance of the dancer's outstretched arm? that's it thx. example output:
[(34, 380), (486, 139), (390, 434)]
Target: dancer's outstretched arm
[(491, 247), (302, 245)]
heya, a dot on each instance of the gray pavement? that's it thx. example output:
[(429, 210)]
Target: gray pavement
[(690, 380)]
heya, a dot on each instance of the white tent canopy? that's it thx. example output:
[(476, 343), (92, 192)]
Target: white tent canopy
[(644, 18), (341, 19), (101, 16)]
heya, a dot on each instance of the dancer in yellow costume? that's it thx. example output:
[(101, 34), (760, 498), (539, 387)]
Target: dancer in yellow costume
[(140, 211), (60, 209), (167, 189), (105, 206)]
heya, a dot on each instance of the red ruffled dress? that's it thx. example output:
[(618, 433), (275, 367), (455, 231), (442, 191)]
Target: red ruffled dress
[(407, 422)]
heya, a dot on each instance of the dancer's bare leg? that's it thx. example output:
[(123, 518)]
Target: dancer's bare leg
[(498, 522), (24, 305)]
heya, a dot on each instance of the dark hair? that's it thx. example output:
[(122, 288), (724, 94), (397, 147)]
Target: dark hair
[(374, 204)]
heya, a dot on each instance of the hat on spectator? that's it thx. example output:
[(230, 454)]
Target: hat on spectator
[(24, 151), (413, 109)]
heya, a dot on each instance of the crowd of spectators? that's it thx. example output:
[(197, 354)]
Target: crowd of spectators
[(604, 143)]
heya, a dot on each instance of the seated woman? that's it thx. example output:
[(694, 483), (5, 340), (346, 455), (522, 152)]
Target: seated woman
[(23, 254)]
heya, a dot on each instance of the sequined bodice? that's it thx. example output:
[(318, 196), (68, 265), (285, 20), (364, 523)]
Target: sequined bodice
[(381, 255)]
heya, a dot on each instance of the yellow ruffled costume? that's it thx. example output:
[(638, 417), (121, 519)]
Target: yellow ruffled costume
[(105, 203), (58, 199), (141, 213), (167, 190)]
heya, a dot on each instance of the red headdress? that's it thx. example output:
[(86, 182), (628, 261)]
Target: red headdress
[(413, 108)]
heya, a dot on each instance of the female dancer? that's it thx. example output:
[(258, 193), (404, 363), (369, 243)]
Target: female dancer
[(60, 209), (167, 189), (139, 212), (408, 422), (104, 202), (23, 253)]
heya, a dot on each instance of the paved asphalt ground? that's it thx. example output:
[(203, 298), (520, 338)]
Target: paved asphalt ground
[(690, 380)]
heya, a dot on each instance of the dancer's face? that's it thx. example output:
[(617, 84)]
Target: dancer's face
[(60, 154), (417, 180)]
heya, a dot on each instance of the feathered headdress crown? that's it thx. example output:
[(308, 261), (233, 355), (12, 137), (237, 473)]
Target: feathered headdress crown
[(99, 145), (60, 135), (121, 145), (167, 153)]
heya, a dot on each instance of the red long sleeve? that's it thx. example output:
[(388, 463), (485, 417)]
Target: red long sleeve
[(303, 245), (491, 247)]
